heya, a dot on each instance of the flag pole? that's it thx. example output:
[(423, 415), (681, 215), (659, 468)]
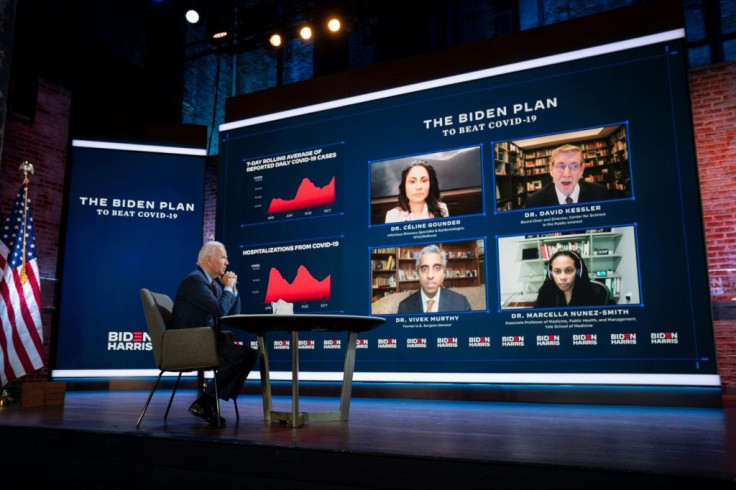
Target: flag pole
[(26, 167)]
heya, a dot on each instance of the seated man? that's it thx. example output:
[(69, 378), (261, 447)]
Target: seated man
[(203, 297), (566, 169), (432, 297)]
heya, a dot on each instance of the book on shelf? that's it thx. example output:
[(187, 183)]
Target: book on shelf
[(581, 248), (383, 265), (614, 286), (382, 282), (460, 273)]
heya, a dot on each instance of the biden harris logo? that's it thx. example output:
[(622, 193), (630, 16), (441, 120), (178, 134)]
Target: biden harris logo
[(664, 338), (416, 343), (479, 342), (585, 339), (281, 345), (128, 341), (386, 343), (548, 340), (306, 345), (332, 344), (445, 342), (512, 341), (623, 338)]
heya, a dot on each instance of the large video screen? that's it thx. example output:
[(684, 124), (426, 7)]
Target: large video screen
[(532, 222), (133, 220)]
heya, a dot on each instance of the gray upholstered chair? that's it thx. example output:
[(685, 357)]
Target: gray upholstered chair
[(179, 350)]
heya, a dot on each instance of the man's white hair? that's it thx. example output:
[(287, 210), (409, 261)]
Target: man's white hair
[(208, 250)]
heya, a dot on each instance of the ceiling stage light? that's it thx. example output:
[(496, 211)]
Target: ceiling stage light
[(275, 40), (192, 16), (334, 25), (306, 33)]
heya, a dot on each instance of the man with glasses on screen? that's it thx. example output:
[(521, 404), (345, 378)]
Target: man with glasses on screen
[(432, 297), (566, 168)]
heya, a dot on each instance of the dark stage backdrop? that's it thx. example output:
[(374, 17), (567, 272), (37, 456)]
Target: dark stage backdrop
[(304, 193), (134, 220)]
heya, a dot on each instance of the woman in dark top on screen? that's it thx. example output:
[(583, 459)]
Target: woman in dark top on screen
[(568, 284), (419, 195)]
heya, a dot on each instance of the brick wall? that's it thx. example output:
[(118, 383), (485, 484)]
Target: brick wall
[(44, 143), (713, 92), (210, 199)]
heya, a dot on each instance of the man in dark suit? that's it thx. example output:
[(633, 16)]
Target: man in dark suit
[(566, 168), (432, 297), (203, 297)]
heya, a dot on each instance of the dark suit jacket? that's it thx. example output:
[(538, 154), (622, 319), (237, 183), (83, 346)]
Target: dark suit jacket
[(449, 301), (197, 306), (546, 196)]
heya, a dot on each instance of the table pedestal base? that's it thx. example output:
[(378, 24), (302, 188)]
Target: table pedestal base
[(295, 418)]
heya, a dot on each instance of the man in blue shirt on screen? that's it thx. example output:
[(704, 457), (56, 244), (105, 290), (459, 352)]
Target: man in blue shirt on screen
[(566, 168), (205, 295), (432, 297)]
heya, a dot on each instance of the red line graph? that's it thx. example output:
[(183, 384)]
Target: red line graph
[(307, 195), (304, 287)]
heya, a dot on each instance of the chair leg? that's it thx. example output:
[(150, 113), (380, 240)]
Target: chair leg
[(201, 382), (217, 396), (150, 395), (237, 413), (176, 385)]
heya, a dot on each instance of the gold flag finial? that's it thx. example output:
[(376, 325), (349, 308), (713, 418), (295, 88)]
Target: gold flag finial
[(27, 168)]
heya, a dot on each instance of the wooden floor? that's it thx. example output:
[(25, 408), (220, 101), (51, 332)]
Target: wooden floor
[(92, 442)]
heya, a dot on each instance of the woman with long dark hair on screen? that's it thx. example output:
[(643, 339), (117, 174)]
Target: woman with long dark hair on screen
[(567, 283), (419, 195)]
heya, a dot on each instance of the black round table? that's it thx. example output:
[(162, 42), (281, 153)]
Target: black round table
[(263, 324)]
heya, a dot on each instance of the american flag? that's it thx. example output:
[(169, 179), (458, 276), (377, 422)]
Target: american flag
[(21, 344)]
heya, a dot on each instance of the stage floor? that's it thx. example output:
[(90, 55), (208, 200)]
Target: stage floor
[(386, 444)]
